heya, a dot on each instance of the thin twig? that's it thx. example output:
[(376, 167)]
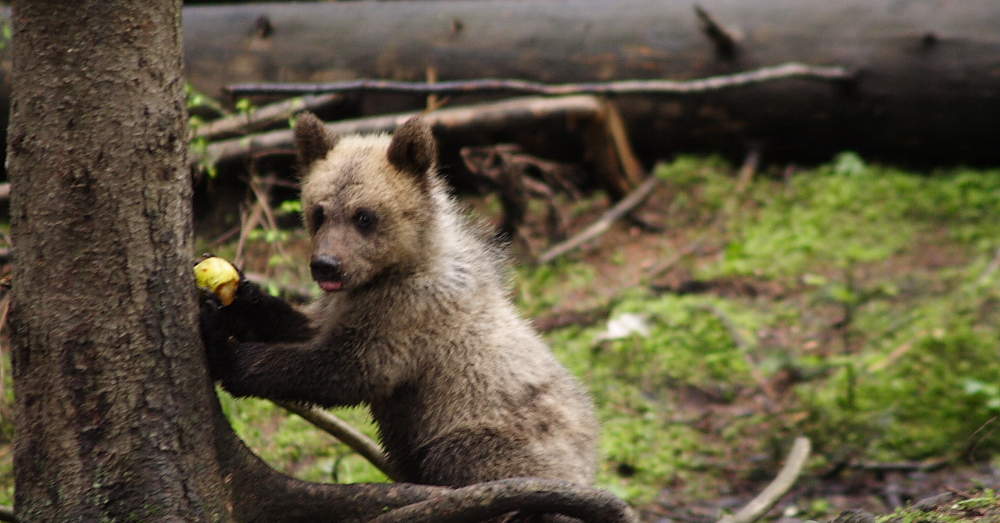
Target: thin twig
[(975, 438), (661, 268), (226, 236), (990, 269), (745, 178), (511, 85), (263, 117), (759, 505), (264, 201), (249, 223), (347, 434), (746, 347), (898, 352), (603, 223), (748, 170)]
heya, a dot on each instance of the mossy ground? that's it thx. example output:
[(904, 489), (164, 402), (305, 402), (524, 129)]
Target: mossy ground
[(852, 303)]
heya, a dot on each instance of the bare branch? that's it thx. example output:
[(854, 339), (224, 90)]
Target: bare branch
[(488, 115), (759, 505), (618, 136), (990, 269), (347, 434), (747, 347), (511, 85), (263, 117), (662, 267), (487, 500), (603, 223)]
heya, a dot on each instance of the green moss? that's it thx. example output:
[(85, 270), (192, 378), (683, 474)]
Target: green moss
[(849, 212), (928, 403), (646, 442), (982, 507), (538, 289)]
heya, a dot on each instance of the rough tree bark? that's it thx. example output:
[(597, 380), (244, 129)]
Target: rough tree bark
[(116, 418), (102, 308)]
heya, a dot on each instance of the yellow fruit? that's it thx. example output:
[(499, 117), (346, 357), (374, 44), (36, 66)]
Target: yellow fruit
[(219, 277)]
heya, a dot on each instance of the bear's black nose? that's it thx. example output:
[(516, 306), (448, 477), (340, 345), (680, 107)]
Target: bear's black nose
[(326, 268)]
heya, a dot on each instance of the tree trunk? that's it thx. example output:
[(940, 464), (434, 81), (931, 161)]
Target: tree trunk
[(115, 414), (925, 91), (116, 418), (111, 391)]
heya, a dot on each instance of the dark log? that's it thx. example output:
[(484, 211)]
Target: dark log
[(925, 95)]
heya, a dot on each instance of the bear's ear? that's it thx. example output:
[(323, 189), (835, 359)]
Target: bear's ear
[(312, 140), (413, 148)]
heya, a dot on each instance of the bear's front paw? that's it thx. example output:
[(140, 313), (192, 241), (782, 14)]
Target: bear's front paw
[(219, 335), (235, 369)]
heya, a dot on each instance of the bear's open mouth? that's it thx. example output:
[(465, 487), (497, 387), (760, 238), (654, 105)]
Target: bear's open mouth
[(330, 285), (327, 271)]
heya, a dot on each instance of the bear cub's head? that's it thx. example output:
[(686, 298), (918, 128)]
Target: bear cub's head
[(367, 201)]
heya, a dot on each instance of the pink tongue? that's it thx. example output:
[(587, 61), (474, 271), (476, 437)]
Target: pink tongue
[(330, 286)]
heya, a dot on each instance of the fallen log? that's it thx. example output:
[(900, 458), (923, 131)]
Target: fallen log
[(924, 94)]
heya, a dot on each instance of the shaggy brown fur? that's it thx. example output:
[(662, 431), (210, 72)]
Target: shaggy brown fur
[(416, 323)]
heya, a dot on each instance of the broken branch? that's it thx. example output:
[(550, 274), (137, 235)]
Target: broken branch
[(511, 85), (623, 146), (603, 223), (347, 434), (264, 117), (789, 473), (456, 119), (661, 268)]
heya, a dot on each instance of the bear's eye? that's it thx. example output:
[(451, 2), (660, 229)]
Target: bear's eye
[(364, 220), (316, 218)]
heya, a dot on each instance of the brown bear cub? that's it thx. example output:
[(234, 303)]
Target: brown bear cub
[(415, 321)]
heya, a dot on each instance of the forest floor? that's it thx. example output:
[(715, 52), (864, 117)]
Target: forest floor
[(854, 304)]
